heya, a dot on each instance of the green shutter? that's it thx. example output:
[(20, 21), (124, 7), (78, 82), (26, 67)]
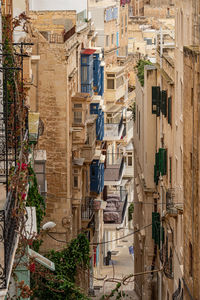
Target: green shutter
[(156, 169), (155, 99), (155, 226), (164, 103), (163, 161), (157, 230), (170, 110)]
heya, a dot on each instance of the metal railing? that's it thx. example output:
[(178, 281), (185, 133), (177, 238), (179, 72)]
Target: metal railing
[(124, 208), (87, 210), (121, 169), (13, 135), (57, 38)]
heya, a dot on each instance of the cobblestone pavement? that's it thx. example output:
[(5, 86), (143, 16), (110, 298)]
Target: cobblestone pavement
[(123, 265)]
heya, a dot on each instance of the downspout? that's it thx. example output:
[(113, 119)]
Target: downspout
[(161, 183), (193, 172)]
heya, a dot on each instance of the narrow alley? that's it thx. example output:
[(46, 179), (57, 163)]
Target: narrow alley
[(122, 264)]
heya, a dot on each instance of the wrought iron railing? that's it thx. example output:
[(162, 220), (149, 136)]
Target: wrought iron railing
[(13, 127), (57, 38), (87, 210), (124, 207), (120, 125), (121, 169)]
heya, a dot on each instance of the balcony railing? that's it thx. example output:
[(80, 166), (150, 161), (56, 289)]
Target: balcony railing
[(13, 140), (87, 210), (115, 210), (113, 131), (9, 225), (56, 38), (113, 173)]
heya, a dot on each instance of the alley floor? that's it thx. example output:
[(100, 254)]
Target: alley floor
[(122, 265)]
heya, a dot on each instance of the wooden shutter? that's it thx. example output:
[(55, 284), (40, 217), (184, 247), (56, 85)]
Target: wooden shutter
[(155, 99), (164, 103), (170, 110), (163, 161)]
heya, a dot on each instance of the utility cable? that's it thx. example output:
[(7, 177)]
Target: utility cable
[(100, 243)]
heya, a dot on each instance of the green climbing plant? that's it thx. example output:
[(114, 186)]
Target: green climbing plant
[(140, 70), (61, 284), (34, 198), (130, 211)]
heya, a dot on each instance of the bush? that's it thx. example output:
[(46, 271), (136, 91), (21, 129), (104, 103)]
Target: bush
[(140, 70)]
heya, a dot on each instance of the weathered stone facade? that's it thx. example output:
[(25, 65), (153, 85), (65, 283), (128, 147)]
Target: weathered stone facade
[(56, 76), (191, 158)]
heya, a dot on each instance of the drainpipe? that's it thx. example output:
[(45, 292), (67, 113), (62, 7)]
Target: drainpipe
[(161, 183)]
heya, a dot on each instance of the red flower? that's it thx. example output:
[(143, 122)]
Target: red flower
[(32, 267), (23, 196), (23, 166)]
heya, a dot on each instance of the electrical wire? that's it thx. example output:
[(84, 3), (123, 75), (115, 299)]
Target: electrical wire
[(134, 202), (100, 243)]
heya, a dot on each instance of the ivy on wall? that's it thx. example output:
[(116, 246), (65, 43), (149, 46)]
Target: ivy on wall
[(140, 70), (60, 284), (34, 198)]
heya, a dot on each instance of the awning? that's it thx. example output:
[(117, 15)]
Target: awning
[(41, 259)]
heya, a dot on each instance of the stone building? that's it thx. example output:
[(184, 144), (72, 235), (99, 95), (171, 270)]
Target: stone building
[(188, 21), (56, 56), (159, 178)]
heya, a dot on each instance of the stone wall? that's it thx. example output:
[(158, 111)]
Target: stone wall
[(191, 171)]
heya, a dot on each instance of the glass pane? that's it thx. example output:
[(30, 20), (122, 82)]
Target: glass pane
[(41, 182), (84, 74), (129, 160), (39, 167), (77, 117), (110, 84)]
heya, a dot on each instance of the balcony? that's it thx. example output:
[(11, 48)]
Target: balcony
[(113, 131), (114, 172), (56, 38), (87, 212), (116, 85), (115, 210)]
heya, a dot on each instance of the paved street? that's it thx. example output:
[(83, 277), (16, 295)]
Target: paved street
[(122, 266)]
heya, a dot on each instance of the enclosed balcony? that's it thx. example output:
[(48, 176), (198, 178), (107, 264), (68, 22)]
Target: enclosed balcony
[(114, 172), (113, 127), (97, 175), (116, 85), (115, 210)]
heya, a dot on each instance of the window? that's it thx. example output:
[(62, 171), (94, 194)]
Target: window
[(191, 160), (112, 39), (129, 159), (107, 40), (77, 105), (190, 260), (39, 168), (75, 171), (110, 75), (126, 23), (75, 181), (110, 84), (192, 96), (119, 81), (84, 74), (122, 26), (77, 117), (170, 170), (84, 60)]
